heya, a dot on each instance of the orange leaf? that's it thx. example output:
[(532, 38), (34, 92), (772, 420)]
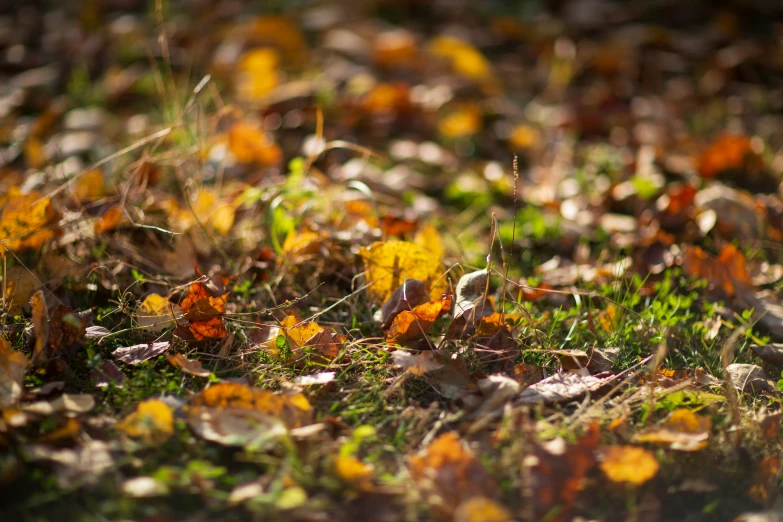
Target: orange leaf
[(109, 220), (414, 324)]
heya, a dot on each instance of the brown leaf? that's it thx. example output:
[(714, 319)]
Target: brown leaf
[(190, 366), (107, 372), (682, 430), (748, 377), (556, 472), (409, 295), (40, 326), (771, 353), (12, 367), (140, 352), (449, 474)]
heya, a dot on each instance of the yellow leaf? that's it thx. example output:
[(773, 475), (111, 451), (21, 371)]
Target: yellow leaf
[(629, 464), (353, 470), (523, 137), (157, 313), (607, 318), (153, 422), (463, 121), (302, 243), (258, 73), (682, 430), (25, 222), (20, 284), (465, 59), (481, 509), (429, 239), (388, 264)]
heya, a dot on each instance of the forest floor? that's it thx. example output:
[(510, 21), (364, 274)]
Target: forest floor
[(388, 260)]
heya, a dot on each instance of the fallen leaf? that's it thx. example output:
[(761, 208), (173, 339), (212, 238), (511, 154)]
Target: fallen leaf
[(388, 264), (771, 353), (12, 368), (107, 372), (354, 472), (40, 326), (143, 487), (561, 387), (463, 57), (682, 430), (139, 353), (406, 297), (204, 313), (481, 509), (96, 332), (26, 220), (108, 221), (726, 153), (416, 323), (419, 363), (309, 340), (157, 313), (84, 464), (189, 366), (748, 377), (556, 472), (20, 284), (448, 473), (73, 403), (629, 464), (152, 422)]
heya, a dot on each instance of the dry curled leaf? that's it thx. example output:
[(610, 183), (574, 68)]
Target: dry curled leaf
[(189, 366), (204, 313), (157, 313)]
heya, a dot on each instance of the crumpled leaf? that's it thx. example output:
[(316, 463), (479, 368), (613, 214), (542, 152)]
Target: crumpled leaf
[(189, 366), (748, 377), (561, 387), (12, 367), (388, 264), (418, 363), (414, 324), (139, 353), (204, 313), (629, 464), (682, 430), (448, 473), (152, 422)]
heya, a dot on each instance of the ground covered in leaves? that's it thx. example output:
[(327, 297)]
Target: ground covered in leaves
[(391, 260)]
